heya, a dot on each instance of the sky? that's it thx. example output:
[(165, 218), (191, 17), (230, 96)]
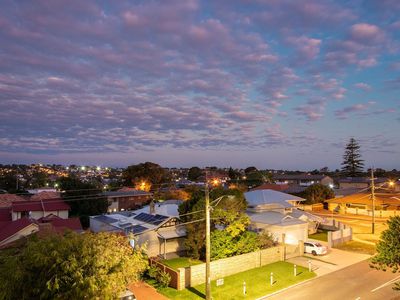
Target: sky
[(268, 83)]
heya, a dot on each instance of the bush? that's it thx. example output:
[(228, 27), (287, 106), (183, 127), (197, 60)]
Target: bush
[(163, 278)]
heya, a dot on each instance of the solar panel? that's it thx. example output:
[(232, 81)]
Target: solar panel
[(105, 219), (151, 219), (124, 225), (136, 229)]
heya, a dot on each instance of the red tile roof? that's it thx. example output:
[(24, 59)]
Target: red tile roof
[(63, 224), (271, 186), (7, 199), (45, 196), (5, 214), (10, 228), (46, 205)]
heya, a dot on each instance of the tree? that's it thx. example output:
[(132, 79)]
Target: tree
[(194, 173), (228, 214), (146, 172), (317, 193), (388, 249), (84, 198), (73, 266), (352, 164)]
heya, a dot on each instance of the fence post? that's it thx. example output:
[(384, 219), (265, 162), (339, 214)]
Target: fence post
[(330, 239)]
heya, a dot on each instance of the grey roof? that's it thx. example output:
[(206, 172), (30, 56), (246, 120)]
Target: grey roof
[(300, 177), (274, 218), (171, 233), (266, 197), (360, 180), (297, 213), (126, 193)]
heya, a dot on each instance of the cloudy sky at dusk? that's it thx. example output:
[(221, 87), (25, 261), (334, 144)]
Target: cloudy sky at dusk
[(273, 83)]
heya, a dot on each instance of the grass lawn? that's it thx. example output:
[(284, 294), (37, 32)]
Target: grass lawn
[(181, 262), (321, 235), (359, 247), (257, 283)]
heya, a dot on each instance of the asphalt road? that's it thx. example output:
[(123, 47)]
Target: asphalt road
[(356, 282)]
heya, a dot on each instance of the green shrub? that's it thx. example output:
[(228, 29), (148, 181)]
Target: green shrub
[(163, 278)]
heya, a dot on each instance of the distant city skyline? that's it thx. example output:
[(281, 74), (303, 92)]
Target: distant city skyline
[(272, 84)]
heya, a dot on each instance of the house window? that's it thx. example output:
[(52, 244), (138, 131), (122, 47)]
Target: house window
[(25, 214)]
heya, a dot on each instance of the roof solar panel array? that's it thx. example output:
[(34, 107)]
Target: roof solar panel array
[(151, 219), (136, 229)]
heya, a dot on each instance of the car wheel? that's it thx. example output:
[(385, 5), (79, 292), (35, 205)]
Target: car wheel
[(314, 253)]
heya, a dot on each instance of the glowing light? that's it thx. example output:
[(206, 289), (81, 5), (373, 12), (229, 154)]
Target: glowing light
[(391, 183), (215, 182), (331, 185), (98, 168), (83, 168)]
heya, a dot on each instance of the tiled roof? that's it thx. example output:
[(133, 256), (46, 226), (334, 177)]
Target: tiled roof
[(5, 214), (270, 186), (7, 199), (60, 224), (45, 196), (46, 205), (13, 227)]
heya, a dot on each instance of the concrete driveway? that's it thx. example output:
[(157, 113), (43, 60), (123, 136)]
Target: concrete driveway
[(335, 260)]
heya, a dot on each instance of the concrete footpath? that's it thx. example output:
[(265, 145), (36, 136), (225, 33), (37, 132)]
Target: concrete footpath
[(335, 260)]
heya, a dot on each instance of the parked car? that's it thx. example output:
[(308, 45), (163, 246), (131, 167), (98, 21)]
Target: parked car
[(315, 248), (127, 295)]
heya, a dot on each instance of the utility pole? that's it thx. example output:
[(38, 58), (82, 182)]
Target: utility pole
[(373, 199), (208, 244)]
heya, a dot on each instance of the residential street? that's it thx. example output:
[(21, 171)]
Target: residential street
[(356, 282)]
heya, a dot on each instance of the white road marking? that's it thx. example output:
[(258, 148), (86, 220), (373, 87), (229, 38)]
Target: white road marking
[(386, 284)]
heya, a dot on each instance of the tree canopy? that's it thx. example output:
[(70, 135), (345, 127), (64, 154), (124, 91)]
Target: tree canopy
[(352, 164), (194, 173), (317, 193), (147, 172), (84, 198), (388, 249), (229, 224), (73, 266)]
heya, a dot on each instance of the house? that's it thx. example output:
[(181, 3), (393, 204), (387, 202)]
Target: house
[(303, 179), (259, 200), (358, 182), (12, 231), (272, 211), (37, 206), (271, 186), (156, 225), (39, 209), (127, 199), (361, 203)]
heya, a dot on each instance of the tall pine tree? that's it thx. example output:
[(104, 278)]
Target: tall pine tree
[(352, 164)]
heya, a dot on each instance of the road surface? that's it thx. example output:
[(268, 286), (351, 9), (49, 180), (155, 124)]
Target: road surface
[(356, 282)]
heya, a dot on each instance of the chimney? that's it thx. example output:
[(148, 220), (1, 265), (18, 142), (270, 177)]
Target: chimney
[(152, 208)]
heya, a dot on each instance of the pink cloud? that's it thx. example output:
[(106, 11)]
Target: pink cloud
[(344, 112), (307, 48), (363, 86), (366, 33)]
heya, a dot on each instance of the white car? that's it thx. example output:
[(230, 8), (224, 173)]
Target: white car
[(315, 248)]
